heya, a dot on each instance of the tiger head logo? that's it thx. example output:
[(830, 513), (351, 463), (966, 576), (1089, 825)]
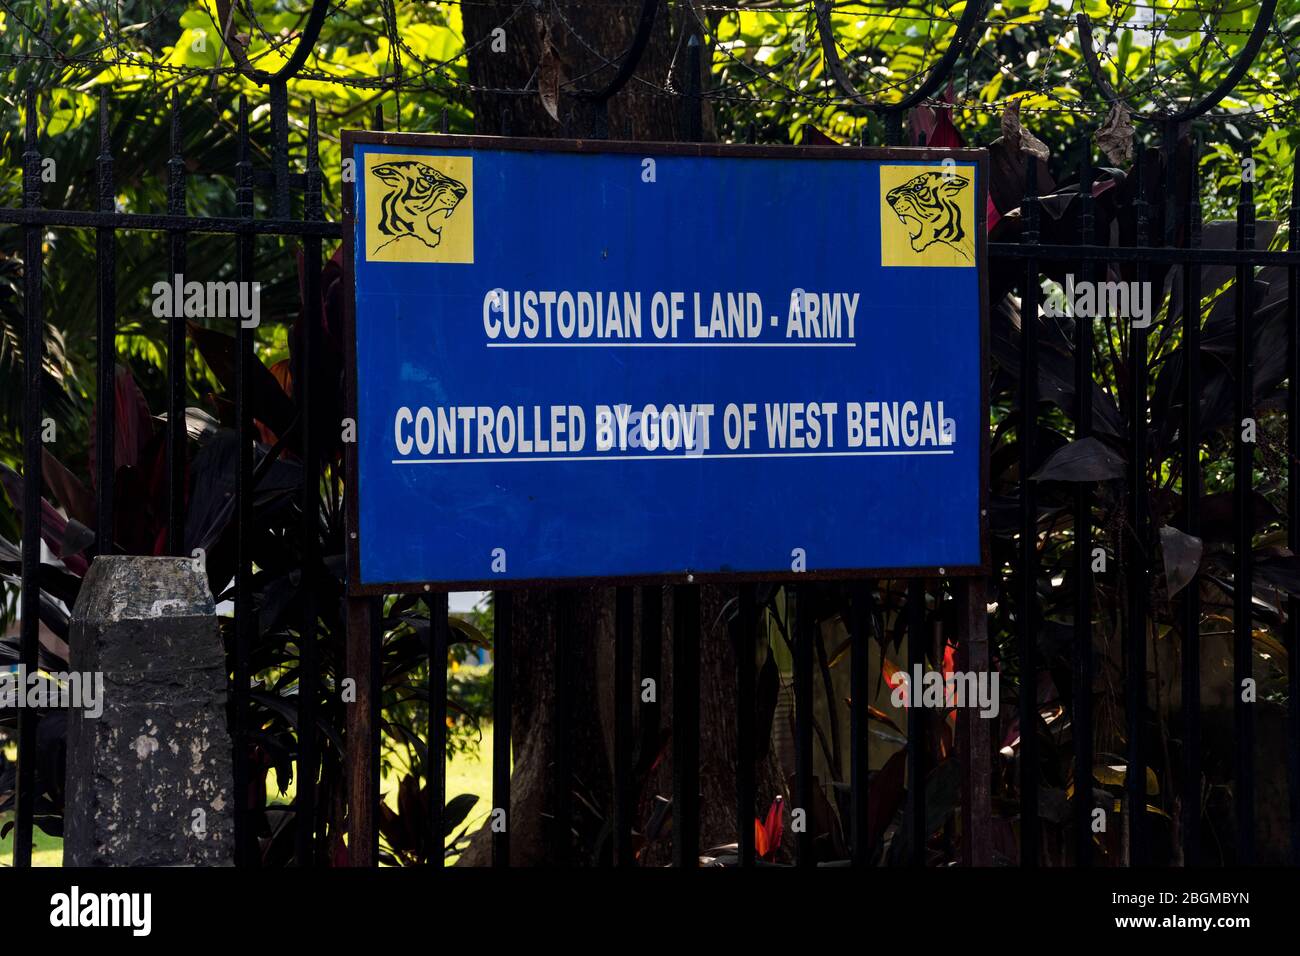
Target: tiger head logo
[(927, 207), (417, 203)]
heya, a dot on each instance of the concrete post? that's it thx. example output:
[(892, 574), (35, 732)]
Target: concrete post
[(149, 781)]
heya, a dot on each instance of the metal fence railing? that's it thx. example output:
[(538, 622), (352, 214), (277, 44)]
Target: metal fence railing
[(1167, 243)]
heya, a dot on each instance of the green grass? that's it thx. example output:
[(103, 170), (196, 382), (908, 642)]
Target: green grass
[(472, 773), (46, 850), (466, 773)]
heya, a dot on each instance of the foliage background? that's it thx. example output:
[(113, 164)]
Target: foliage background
[(767, 81)]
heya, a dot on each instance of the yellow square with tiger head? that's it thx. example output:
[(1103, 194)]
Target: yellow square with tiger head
[(419, 208), (927, 215)]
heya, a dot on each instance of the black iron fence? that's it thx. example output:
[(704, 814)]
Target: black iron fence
[(1075, 520), (1166, 252), (107, 223)]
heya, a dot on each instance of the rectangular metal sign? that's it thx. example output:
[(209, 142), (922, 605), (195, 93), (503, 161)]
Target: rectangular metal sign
[(648, 361)]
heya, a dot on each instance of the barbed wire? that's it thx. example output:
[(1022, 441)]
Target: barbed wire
[(751, 68)]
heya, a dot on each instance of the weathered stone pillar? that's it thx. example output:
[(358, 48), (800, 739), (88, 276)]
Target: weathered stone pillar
[(149, 781)]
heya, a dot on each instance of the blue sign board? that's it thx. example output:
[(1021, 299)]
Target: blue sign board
[(630, 361)]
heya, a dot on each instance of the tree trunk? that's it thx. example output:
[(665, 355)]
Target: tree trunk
[(637, 112), (587, 40)]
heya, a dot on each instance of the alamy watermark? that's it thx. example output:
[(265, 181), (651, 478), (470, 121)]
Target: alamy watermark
[(1086, 299), (670, 428), (964, 689), (75, 909), (55, 690), (208, 300)]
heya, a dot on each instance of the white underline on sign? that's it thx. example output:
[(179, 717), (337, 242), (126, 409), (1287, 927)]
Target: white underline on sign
[(672, 345), (679, 457)]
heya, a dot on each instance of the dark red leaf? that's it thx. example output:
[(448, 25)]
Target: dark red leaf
[(132, 423), (54, 526), (67, 489), (884, 795), (271, 406)]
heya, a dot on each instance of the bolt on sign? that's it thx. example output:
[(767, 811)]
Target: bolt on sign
[(629, 361)]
